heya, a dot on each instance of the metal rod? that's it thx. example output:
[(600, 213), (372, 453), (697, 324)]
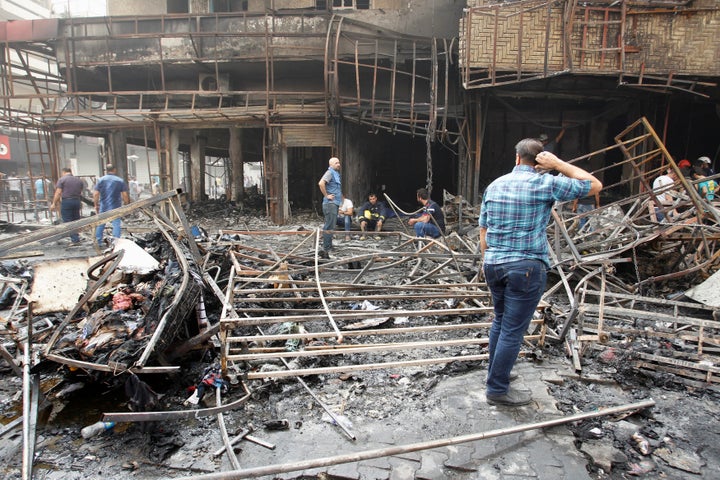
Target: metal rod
[(368, 366), (320, 289), (30, 399), (175, 414), (258, 441), (232, 442), (379, 331), (57, 232), (223, 432), (229, 322)]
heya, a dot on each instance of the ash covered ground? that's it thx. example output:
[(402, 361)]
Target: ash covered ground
[(678, 438)]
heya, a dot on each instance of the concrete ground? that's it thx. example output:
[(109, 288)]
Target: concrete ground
[(456, 407)]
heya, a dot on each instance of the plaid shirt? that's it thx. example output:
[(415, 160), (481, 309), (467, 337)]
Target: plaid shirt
[(515, 211)]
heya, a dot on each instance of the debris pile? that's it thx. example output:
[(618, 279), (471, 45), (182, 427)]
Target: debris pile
[(247, 317)]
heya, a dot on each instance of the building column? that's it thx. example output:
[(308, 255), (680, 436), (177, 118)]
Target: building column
[(197, 168), (118, 153), (276, 175), (171, 168), (236, 180)]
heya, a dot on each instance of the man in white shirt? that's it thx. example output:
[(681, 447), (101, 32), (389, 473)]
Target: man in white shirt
[(134, 189), (662, 187), (345, 213)]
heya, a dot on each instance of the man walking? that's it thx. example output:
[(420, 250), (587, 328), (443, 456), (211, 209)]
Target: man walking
[(110, 192), (514, 214), (68, 191), (332, 199)]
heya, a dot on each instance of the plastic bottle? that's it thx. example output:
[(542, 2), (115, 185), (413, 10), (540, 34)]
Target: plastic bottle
[(96, 428)]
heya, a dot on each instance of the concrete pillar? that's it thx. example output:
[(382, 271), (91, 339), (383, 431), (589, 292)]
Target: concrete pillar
[(236, 175), (276, 174), (118, 153), (197, 168), (465, 173), (58, 161), (172, 168), (477, 142)]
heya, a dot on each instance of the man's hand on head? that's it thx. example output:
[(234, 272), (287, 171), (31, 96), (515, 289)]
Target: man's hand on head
[(547, 161)]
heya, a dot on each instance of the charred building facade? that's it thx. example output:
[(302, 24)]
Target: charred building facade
[(407, 93)]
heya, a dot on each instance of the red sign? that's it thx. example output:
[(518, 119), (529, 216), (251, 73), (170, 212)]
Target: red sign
[(4, 147)]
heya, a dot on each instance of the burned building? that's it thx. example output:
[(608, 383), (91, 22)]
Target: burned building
[(405, 93), (590, 68)]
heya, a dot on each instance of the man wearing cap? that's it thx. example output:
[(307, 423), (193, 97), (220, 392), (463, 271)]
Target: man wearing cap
[(549, 146), (686, 169), (704, 164), (665, 194)]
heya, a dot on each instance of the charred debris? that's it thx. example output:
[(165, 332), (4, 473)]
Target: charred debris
[(232, 313)]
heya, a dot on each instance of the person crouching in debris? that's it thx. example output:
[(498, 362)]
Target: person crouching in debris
[(331, 188), (68, 192), (344, 219), (706, 187), (705, 165), (686, 169), (110, 192), (372, 215), (663, 190), (514, 215), (585, 205), (431, 221)]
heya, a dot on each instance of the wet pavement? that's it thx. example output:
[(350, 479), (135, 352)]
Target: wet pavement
[(455, 407)]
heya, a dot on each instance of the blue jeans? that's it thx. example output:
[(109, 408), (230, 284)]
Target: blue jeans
[(345, 221), (100, 230), (330, 212), (516, 289), (70, 211), (426, 230), (584, 208)]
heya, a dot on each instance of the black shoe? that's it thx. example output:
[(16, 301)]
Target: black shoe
[(513, 398), (324, 254)]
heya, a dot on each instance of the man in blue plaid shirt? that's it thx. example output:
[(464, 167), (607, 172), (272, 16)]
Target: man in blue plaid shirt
[(513, 220)]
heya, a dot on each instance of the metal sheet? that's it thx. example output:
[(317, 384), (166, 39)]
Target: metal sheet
[(707, 292), (31, 30), (308, 136), (59, 284)]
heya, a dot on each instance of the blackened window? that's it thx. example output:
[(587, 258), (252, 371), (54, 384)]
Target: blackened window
[(217, 6), (358, 4), (178, 6)]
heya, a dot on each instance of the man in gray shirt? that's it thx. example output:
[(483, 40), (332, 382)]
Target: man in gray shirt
[(68, 192)]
